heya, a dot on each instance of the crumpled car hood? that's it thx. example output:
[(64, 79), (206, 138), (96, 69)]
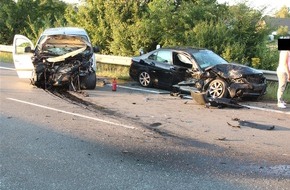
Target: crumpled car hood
[(60, 47), (233, 70)]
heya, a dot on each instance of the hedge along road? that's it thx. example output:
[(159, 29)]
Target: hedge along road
[(175, 143)]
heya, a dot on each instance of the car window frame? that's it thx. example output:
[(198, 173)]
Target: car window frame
[(159, 56)]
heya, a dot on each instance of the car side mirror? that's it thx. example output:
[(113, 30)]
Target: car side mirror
[(27, 49), (96, 49)]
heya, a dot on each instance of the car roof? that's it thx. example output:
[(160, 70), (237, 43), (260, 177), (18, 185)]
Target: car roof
[(186, 49), (65, 31)]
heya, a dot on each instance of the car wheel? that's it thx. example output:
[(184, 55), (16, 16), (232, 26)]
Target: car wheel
[(217, 89), (89, 81), (145, 79)]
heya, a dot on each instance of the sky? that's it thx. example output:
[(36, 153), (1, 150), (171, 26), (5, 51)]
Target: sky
[(271, 5)]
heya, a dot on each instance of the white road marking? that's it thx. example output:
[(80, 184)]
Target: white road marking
[(266, 109), (74, 114), (139, 89), (7, 68)]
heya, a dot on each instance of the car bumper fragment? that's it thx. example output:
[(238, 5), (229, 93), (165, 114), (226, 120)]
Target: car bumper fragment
[(242, 89)]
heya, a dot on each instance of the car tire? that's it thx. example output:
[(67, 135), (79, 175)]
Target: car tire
[(89, 81), (218, 88), (145, 79)]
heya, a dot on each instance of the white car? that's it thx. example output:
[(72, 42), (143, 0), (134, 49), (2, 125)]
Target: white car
[(62, 57)]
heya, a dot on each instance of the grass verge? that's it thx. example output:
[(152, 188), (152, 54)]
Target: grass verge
[(6, 57), (113, 71), (271, 93)]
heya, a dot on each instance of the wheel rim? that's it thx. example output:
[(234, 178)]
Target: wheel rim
[(216, 89), (144, 79)]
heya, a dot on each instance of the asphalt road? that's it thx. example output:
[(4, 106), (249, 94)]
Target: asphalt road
[(133, 139)]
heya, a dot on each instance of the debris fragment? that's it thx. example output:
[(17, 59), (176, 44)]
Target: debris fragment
[(256, 125), (203, 99), (271, 128), (223, 102), (105, 81), (199, 97), (174, 93), (234, 126), (221, 138), (155, 124)]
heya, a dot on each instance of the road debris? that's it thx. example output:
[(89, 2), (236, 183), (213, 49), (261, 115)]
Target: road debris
[(223, 102), (157, 124), (271, 128), (256, 125), (221, 138), (203, 99), (235, 119), (234, 126)]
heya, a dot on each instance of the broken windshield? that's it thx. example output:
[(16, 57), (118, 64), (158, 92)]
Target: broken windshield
[(57, 45), (206, 58)]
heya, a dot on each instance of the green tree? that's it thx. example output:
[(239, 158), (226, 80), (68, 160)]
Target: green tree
[(283, 12), (123, 18), (7, 21), (282, 30), (29, 17), (169, 22), (112, 25), (246, 31), (37, 15), (91, 16)]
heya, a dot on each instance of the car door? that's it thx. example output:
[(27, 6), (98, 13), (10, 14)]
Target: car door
[(161, 67), (22, 55), (182, 66)]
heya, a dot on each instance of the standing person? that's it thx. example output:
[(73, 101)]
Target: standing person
[(283, 73)]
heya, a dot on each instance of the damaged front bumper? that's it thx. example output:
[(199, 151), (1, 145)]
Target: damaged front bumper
[(235, 89), (247, 90)]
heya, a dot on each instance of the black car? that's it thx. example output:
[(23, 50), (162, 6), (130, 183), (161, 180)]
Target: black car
[(185, 69)]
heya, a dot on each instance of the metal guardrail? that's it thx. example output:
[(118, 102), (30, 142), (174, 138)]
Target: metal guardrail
[(116, 60), (126, 61), (5, 48), (270, 75)]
